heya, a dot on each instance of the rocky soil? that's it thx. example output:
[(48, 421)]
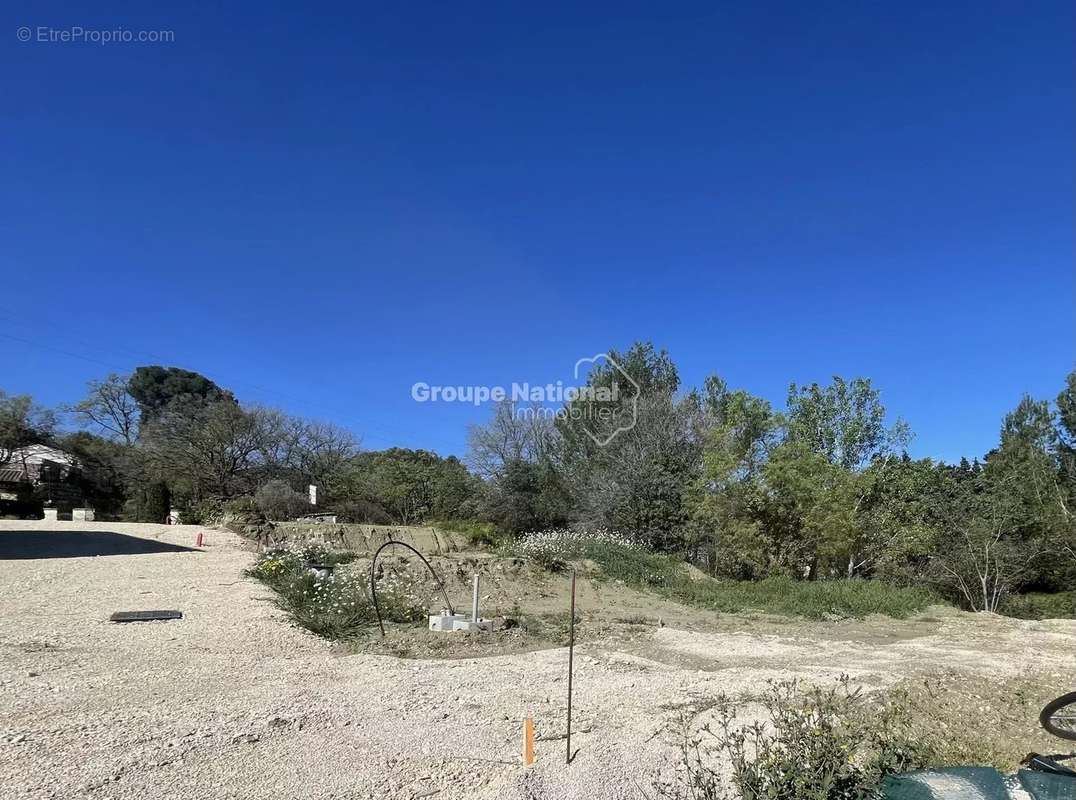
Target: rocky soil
[(233, 702)]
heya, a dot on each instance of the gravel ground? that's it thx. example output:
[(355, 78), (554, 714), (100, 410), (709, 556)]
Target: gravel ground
[(232, 702)]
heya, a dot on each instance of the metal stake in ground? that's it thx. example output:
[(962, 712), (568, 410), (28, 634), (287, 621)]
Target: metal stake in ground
[(571, 654), (474, 601)]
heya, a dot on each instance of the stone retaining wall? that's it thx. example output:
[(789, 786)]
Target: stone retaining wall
[(365, 539)]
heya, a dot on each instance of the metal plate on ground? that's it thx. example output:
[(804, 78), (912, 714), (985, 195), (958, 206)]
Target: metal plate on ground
[(144, 616)]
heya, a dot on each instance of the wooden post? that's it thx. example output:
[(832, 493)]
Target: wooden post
[(528, 741), (571, 655)]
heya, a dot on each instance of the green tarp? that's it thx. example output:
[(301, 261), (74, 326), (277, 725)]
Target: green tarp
[(977, 783), (1043, 786)]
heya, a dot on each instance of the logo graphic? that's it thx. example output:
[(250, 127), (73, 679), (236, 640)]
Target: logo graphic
[(620, 417)]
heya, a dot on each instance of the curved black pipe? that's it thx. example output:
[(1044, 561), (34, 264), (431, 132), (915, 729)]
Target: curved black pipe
[(373, 581)]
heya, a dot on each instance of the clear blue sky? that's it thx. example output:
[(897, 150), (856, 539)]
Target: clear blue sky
[(319, 208)]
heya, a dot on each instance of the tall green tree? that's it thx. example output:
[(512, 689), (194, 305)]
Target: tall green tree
[(213, 451), (629, 448), (738, 433), (155, 389), (22, 423), (110, 409), (409, 486), (983, 554), (528, 496)]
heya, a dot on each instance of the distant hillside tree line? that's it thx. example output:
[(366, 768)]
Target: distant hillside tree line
[(822, 488)]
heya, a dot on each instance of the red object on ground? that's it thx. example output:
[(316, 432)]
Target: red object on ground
[(198, 543)]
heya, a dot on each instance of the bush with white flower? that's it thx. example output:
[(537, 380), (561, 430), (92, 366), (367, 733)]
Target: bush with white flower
[(323, 592), (554, 547)]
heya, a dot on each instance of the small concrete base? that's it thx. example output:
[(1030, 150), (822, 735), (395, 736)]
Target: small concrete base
[(82, 514), (483, 625), (445, 622), (458, 622), (51, 514)]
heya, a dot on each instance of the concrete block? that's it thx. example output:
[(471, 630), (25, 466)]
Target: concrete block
[(445, 622), (82, 515), (51, 514), (470, 626)]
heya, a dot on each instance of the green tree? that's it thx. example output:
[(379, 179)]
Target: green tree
[(22, 423), (279, 501), (618, 383), (209, 452), (843, 422), (838, 432), (110, 408), (528, 496), (738, 432), (983, 554), (179, 397), (645, 472), (410, 486), (1066, 417), (103, 466), (904, 516), (156, 389), (630, 454), (1028, 473)]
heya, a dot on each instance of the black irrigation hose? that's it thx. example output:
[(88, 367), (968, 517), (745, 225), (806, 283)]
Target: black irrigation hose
[(373, 581)]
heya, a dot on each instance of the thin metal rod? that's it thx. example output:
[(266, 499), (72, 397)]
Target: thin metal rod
[(474, 600), (571, 657), (373, 580)]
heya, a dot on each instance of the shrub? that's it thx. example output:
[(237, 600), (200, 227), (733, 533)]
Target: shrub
[(854, 597), (361, 511), (202, 512), (479, 534), (399, 599), (150, 503), (241, 516), (814, 744), (623, 559), (336, 606), (1035, 605), (277, 500), (552, 548)]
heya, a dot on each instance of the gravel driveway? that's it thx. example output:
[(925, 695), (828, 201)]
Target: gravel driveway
[(232, 702)]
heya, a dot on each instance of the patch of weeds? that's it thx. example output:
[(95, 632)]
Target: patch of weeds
[(478, 534), (553, 549), (333, 607), (854, 598), (620, 558), (812, 744), (1039, 605), (982, 720), (552, 628), (836, 742), (337, 605)]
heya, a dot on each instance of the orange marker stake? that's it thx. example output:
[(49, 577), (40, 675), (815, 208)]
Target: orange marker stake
[(199, 542), (528, 741)]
